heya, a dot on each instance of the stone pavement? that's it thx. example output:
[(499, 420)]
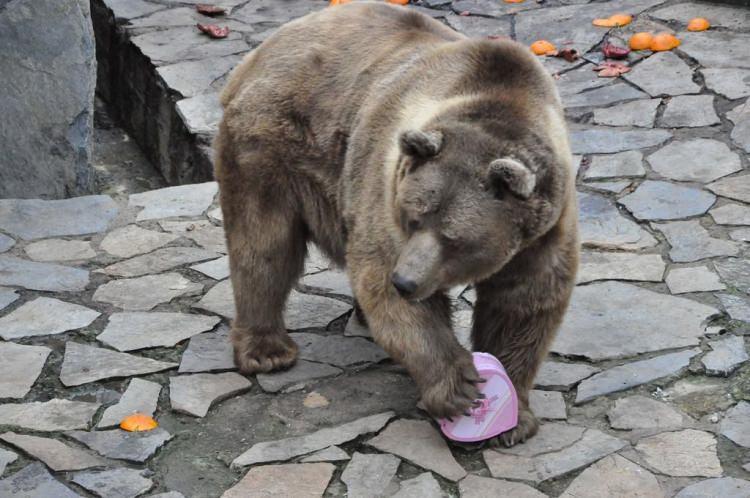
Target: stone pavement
[(114, 305)]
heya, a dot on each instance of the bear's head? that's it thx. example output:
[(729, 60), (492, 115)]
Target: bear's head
[(468, 197)]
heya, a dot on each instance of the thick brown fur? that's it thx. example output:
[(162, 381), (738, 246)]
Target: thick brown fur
[(418, 159)]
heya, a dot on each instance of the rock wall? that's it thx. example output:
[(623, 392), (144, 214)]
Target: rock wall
[(47, 82)]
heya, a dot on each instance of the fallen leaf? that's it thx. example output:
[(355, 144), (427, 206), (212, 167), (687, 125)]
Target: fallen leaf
[(210, 10), (641, 41), (542, 47), (614, 48), (513, 1), (315, 400), (399, 2), (663, 42), (614, 21), (214, 31), (138, 422), (464, 13), (569, 54), (698, 24), (611, 69)]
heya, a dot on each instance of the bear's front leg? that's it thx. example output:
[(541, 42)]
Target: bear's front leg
[(516, 316), (419, 336)]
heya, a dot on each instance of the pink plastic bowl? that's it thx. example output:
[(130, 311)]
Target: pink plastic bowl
[(498, 412)]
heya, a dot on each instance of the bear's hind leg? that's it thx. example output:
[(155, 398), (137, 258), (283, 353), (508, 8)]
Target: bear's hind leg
[(267, 246)]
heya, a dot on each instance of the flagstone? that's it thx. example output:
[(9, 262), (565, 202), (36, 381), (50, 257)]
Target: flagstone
[(562, 376), (208, 352), (735, 187), (659, 200), (738, 307), (735, 272), (686, 453), (218, 269), (419, 442), (330, 282), (620, 266), (605, 140), (35, 482), (717, 49), (614, 475), (696, 160), (337, 350), (6, 242), (690, 111), (633, 374), (296, 377), (129, 331), (736, 424), (59, 250), (141, 396), (41, 276), (55, 455), (547, 404), (183, 200), (195, 394), (48, 416), (641, 113), (123, 445), (628, 164), (371, 475), (132, 240), (422, 486), (285, 449), (694, 279), (301, 479), (724, 487), (330, 454), (602, 226), (640, 412), (732, 83), (630, 315), (158, 261), (691, 242), (731, 214), (83, 364), (474, 486), (7, 297), (40, 219), (663, 73), (727, 355), (144, 293), (45, 316), (115, 483), (6, 458), (20, 367)]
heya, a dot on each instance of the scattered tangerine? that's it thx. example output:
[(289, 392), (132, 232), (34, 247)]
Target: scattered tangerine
[(399, 2), (698, 24), (138, 422), (542, 47), (613, 21), (641, 41), (663, 42)]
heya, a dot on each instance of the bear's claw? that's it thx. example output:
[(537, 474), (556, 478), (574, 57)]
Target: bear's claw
[(263, 353)]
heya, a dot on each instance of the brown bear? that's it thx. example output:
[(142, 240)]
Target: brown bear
[(420, 160)]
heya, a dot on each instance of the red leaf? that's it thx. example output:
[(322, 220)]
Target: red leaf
[(569, 54), (210, 10), (615, 49), (214, 31), (464, 13), (611, 69)]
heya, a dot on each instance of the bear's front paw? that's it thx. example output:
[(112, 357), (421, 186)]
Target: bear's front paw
[(256, 352), (452, 390), (528, 425)]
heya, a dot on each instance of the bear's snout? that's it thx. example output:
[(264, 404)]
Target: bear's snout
[(403, 285)]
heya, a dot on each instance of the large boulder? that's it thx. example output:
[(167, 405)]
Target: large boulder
[(47, 81)]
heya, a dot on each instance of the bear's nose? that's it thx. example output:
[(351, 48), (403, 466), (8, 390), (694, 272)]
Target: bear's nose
[(404, 286)]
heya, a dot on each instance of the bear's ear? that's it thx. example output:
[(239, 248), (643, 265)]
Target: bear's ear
[(423, 144), (514, 175)]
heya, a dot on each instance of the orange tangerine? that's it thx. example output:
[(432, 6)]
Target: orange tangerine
[(663, 42), (542, 47), (641, 41), (698, 24)]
